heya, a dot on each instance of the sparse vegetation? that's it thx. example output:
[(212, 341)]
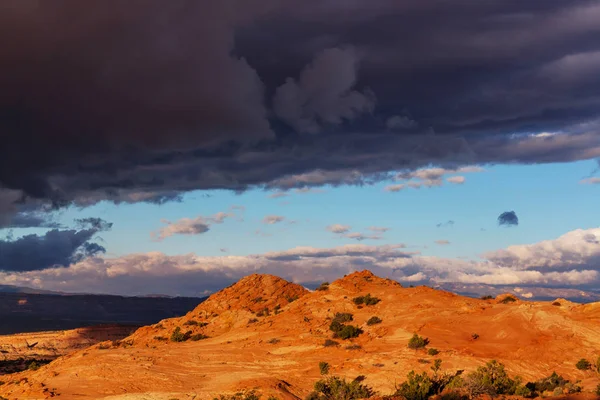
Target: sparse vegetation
[(366, 300), (474, 336), (247, 395), (374, 321), (277, 309), (323, 286), (257, 299), (324, 368), (330, 343), (583, 365), (416, 386), (491, 379), (556, 303), (433, 352), (598, 389), (197, 337), (347, 332), (291, 299), (178, 336), (353, 346), (334, 388), (508, 299), (555, 384), (417, 342), (253, 320), (160, 338), (33, 366), (342, 317), (273, 341), (487, 297), (264, 312)]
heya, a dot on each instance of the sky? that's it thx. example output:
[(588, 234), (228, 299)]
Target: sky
[(174, 148)]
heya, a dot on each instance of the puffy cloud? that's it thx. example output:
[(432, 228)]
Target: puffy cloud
[(442, 242), (508, 218), (380, 229), (273, 219), (54, 248), (569, 262), (361, 236), (591, 181), (324, 93), (398, 122), (457, 180), (189, 226), (339, 228)]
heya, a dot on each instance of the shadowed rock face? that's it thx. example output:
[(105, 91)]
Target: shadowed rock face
[(240, 346), (22, 312)]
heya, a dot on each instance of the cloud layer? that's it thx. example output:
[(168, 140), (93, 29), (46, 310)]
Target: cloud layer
[(570, 261), (144, 101)]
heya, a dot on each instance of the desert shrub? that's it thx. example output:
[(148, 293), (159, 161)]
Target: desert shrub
[(549, 383), (291, 299), (248, 395), (416, 386), (556, 303), (374, 321), (103, 346), (353, 347), (257, 299), (343, 317), (508, 299), (263, 313), (277, 309), (523, 391), (33, 366), (324, 368), (197, 337), (366, 300), (334, 388), (191, 322), (330, 343), (456, 382), (491, 379), (474, 336), (598, 389), (252, 320), (583, 364), (417, 342), (160, 338), (323, 286), (347, 332), (571, 388), (273, 341), (488, 297), (598, 365), (433, 352), (178, 336)]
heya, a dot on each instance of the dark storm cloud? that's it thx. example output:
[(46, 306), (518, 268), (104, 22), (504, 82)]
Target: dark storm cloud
[(145, 100), (508, 218), (54, 248)]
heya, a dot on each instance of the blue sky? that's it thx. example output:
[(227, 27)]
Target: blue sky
[(548, 199)]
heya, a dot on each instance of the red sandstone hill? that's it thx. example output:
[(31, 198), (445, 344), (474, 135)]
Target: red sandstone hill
[(278, 351)]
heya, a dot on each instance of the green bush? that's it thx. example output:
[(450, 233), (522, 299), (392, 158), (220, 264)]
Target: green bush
[(433, 352), (323, 286), (342, 317), (452, 395), (291, 299), (334, 388), (366, 300), (417, 342), (197, 337), (178, 336), (523, 391), (583, 364), (263, 313), (324, 368), (491, 379), (416, 387), (508, 299), (374, 321), (549, 383), (348, 332)]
